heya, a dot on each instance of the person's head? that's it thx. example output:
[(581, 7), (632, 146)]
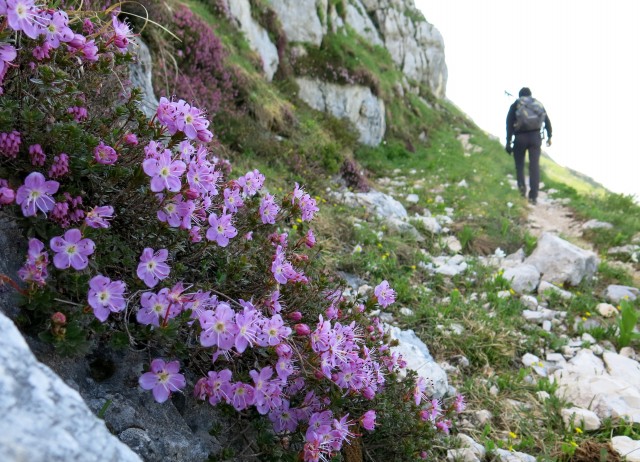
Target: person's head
[(524, 91)]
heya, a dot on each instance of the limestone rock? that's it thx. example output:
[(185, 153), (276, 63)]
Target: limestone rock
[(43, 419), (431, 224), (380, 204), (615, 293), (502, 455), (546, 287), (462, 455), (586, 383), (595, 224), (627, 448), (606, 310), (579, 417), (560, 261), (358, 19), (356, 103), (523, 278), (140, 76), (256, 35), (418, 358), (300, 20)]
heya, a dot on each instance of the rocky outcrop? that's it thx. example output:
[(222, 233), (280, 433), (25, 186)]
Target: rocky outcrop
[(256, 35), (354, 103), (301, 20), (561, 262), (43, 419), (140, 76), (415, 45), (418, 358)]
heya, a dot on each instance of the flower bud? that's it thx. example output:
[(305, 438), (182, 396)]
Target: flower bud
[(192, 194), (302, 329), (131, 139), (295, 316), (58, 318)]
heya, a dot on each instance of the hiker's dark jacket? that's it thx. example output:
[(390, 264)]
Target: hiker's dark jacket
[(511, 120)]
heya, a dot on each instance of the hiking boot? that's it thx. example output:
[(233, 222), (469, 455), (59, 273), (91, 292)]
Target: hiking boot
[(533, 201)]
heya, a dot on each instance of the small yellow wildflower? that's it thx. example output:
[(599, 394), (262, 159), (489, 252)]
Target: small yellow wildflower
[(299, 220), (587, 314), (584, 319), (295, 227), (578, 430), (380, 244), (574, 444), (512, 292), (510, 448), (413, 267), (512, 435)]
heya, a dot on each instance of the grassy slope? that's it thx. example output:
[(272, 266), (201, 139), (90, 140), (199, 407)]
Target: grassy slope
[(310, 148)]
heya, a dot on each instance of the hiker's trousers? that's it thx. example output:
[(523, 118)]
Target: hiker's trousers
[(529, 141)]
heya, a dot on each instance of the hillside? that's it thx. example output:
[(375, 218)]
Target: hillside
[(337, 212)]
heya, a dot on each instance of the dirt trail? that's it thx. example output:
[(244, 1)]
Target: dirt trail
[(550, 215)]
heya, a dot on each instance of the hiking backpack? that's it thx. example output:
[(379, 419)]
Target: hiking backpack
[(530, 114)]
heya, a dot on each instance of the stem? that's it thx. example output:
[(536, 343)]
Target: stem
[(7, 280), (69, 303)]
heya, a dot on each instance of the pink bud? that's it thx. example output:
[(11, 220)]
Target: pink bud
[(131, 138), (302, 329), (295, 316), (77, 41), (7, 196), (192, 194), (58, 318)]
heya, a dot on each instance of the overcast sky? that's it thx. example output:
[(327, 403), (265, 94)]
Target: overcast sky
[(581, 59)]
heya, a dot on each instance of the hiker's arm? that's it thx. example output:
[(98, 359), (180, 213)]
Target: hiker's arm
[(547, 126), (511, 118)]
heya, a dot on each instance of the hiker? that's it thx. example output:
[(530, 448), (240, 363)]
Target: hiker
[(525, 122)]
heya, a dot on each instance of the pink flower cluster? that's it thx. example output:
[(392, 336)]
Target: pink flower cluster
[(305, 202), (181, 116), (35, 268), (282, 269), (10, 142)]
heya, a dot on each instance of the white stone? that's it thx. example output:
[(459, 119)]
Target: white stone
[(542, 395), (141, 74), (529, 301), (595, 224), (627, 448), (418, 358), (482, 417), (406, 311), (615, 293), (533, 316), (358, 19), (530, 359), (380, 204), (502, 455), (42, 417), (503, 294), (622, 367), (452, 243), (588, 338), (462, 455), (256, 35), (579, 417), (560, 261), (523, 278), (412, 198), (546, 325), (606, 310), (463, 184), (430, 224), (354, 102), (299, 19), (545, 287)]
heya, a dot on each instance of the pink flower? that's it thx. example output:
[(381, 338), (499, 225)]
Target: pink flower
[(97, 217), (79, 113), (105, 155), (309, 239), (268, 209), (251, 182), (369, 420), (23, 15), (163, 379), (155, 308), (9, 142), (152, 267), (164, 172), (122, 33), (35, 194), (56, 28), (221, 229), (459, 403), (385, 294), (105, 296), (35, 268), (218, 327), (72, 250), (242, 396)]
